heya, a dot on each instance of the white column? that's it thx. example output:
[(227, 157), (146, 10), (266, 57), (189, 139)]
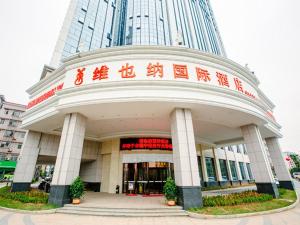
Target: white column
[(260, 165), (237, 165), (244, 164), (185, 159), (228, 166), (68, 158), (26, 162), (203, 164), (217, 166), (281, 170)]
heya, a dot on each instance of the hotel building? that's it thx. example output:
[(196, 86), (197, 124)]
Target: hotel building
[(140, 90)]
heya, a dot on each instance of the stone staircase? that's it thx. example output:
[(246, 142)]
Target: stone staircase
[(122, 212)]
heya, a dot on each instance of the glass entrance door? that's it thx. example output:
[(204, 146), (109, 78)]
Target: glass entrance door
[(146, 177)]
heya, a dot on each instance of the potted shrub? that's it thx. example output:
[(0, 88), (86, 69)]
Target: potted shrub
[(76, 190), (170, 191)]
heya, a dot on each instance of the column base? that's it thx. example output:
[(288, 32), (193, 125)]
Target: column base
[(224, 183), (268, 188), (235, 183), (190, 197), (244, 182), (18, 187), (287, 184), (211, 184), (59, 195), (93, 186)]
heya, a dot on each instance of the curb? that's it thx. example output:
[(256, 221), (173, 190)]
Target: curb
[(48, 211), (203, 216)]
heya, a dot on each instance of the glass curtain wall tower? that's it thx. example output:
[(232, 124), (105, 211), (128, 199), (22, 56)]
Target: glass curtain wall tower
[(93, 24)]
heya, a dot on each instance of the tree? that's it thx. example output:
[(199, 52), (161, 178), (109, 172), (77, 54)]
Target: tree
[(296, 160)]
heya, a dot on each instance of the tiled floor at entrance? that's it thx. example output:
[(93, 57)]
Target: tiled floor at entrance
[(104, 200)]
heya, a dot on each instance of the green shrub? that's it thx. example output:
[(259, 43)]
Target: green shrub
[(170, 189), (33, 196), (77, 188), (235, 199)]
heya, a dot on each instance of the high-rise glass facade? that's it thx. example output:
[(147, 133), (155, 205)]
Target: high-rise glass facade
[(93, 24)]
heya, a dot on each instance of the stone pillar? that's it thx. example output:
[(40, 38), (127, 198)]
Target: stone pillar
[(282, 173), (185, 159), (68, 158), (26, 162), (217, 167), (260, 165)]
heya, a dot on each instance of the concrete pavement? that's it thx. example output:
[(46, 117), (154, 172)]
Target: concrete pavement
[(291, 217)]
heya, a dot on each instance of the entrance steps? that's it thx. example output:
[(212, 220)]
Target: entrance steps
[(122, 212)]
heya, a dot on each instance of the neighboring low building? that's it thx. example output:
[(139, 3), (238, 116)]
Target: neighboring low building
[(11, 136)]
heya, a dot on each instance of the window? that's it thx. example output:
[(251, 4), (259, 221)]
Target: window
[(4, 144), (210, 167), (8, 133), (16, 113), (2, 121), (13, 123), (6, 111), (223, 168), (233, 170), (19, 146), (249, 171), (22, 134), (242, 168)]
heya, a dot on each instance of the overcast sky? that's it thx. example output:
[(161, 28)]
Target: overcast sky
[(263, 33)]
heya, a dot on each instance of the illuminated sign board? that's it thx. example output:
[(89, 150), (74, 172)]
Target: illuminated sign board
[(146, 143), (45, 96)]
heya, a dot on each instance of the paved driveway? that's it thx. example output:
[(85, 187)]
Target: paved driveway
[(291, 217)]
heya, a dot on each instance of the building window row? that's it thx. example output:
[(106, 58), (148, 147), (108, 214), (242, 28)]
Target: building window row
[(233, 166), (7, 144), (241, 148), (12, 133), (15, 113)]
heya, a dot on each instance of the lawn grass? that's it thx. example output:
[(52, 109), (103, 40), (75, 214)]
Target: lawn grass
[(287, 194), (287, 197), (243, 208), (13, 204)]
